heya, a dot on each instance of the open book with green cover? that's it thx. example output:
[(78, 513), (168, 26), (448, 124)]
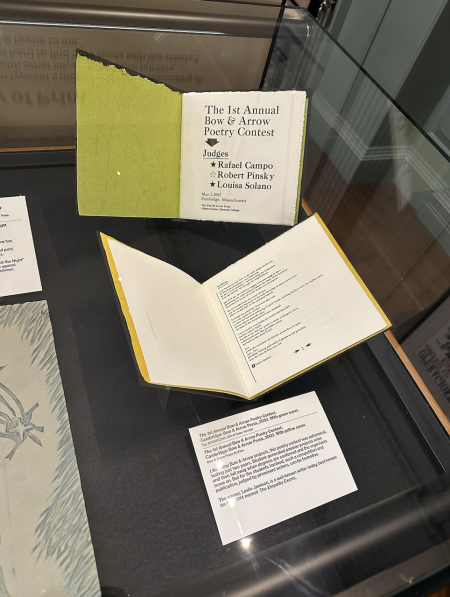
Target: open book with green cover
[(145, 150), (283, 309)]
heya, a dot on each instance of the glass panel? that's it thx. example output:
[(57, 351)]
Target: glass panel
[(151, 521), (211, 6), (150, 517), (381, 185), (37, 63), (406, 61)]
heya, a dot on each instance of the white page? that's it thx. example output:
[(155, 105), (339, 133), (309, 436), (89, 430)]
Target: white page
[(251, 174), (19, 271), (178, 332), (268, 464), (290, 305)]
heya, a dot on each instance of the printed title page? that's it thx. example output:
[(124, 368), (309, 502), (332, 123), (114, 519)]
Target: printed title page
[(240, 156)]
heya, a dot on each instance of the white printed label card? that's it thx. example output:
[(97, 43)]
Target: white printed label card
[(19, 271), (269, 464)]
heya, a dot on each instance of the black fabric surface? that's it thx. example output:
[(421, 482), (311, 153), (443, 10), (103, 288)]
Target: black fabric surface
[(151, 523)]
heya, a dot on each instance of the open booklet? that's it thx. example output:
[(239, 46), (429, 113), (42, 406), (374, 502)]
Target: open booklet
[(145, 150), (290, 305)]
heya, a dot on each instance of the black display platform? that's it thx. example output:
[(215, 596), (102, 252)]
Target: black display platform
[(151, 523)]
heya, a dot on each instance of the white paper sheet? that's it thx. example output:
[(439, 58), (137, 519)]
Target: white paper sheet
[(178, 332), (290, 305), (240, 156), (18, 266), (270, 463)]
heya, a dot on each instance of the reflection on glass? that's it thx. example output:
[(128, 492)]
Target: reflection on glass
[(381, 185), (37, 64)]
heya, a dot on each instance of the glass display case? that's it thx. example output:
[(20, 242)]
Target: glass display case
[(382, 187)]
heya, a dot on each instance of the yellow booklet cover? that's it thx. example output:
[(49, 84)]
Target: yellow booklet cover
[(282, 310)]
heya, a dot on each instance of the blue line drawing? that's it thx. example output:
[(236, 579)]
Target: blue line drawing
[(62, 532), (3, 590), (13, 427)]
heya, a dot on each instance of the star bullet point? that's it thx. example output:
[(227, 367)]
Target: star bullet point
[(213, 164), (212, 184)]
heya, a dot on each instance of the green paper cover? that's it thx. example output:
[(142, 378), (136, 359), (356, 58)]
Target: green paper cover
[(128, 143)]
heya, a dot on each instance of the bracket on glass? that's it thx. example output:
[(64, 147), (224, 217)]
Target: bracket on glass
[(171, 399), (325, 5)]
